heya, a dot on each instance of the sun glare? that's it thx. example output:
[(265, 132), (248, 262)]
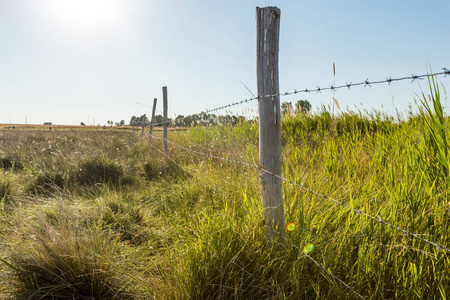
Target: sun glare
[(85, 16)]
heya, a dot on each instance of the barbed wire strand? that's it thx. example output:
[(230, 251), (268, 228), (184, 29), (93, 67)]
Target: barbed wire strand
[(388, 80), (327, 271), (365, 83), (359, 212)]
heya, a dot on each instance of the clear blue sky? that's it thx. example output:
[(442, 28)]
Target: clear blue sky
[(70, 61)]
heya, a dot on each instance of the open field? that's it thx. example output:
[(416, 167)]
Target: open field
[(81, 128), (102, 215), (60, 127), (57, 127)]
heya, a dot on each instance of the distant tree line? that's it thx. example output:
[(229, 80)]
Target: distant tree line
[(208, 119), (110, 123), (204, 119), (139, 121), (302, 106), (201, 119)]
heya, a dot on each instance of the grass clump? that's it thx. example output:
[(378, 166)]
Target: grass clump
[(93, 171), (126, 220), (7, 191), (152, 171), (58, 260), (47, 183), (163, 170), (10, 163)]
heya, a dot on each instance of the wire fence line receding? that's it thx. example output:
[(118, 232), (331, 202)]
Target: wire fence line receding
[(341, 204), (326, 270), (358, 212), (365, 83), (377, 219)]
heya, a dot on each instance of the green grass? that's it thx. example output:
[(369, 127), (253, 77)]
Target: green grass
[(101, 215)]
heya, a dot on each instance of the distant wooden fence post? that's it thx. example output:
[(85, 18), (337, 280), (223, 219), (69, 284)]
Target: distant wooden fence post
[(143, 124), (166, 148), (268, 29), (152, 120)]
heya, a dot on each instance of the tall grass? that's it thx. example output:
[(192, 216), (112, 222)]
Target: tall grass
[(195, 231), (437, 158)]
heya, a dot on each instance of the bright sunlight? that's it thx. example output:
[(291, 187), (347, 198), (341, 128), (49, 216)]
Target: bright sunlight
[(85, 16)]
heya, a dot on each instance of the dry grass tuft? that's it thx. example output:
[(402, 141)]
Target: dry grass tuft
[(58, 259)]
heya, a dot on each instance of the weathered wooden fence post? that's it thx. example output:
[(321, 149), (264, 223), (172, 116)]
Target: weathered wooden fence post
[(152, 120), (268, 29), (166, 148)]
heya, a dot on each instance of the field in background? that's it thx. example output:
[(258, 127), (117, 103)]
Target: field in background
[(62, 127), (102, 214)]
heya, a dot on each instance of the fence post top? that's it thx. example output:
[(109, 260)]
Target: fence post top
[(268, 7), (273, 9)]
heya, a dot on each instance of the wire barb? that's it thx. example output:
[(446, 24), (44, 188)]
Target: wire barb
[(414, 77)]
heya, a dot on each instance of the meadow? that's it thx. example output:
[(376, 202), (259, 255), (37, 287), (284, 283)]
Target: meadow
[(101, 214)]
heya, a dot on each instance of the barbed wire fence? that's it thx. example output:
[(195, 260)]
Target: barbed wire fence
[(264, 170), (359, 212)]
